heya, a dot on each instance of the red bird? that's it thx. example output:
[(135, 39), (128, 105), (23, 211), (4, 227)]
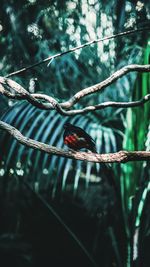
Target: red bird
[(76, 138)]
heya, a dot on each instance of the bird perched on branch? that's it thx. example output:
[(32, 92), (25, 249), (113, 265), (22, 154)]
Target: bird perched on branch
[(76, 138)]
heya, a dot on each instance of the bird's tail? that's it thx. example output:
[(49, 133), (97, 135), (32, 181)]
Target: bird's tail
[(93, 149)]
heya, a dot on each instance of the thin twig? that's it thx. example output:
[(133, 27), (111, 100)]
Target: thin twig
[(121, 156), (75, 49)]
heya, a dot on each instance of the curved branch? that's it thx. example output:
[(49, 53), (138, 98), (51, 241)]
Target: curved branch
[(100, 86), (51, 103), (137, 103), (87, 109), (121, 156), (22, 94)]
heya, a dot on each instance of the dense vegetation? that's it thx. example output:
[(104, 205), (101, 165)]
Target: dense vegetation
[(105, 210)]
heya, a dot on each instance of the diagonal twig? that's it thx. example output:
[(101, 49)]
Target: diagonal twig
[(75, 49)]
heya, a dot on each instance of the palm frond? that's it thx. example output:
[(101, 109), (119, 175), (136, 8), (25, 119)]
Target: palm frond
[(47, 127)]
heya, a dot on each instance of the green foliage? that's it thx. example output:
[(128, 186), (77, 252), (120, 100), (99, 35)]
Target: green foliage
[(137, 121), (32, 30), (133, 175)]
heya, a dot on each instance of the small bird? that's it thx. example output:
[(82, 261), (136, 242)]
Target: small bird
[(76, 138)]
